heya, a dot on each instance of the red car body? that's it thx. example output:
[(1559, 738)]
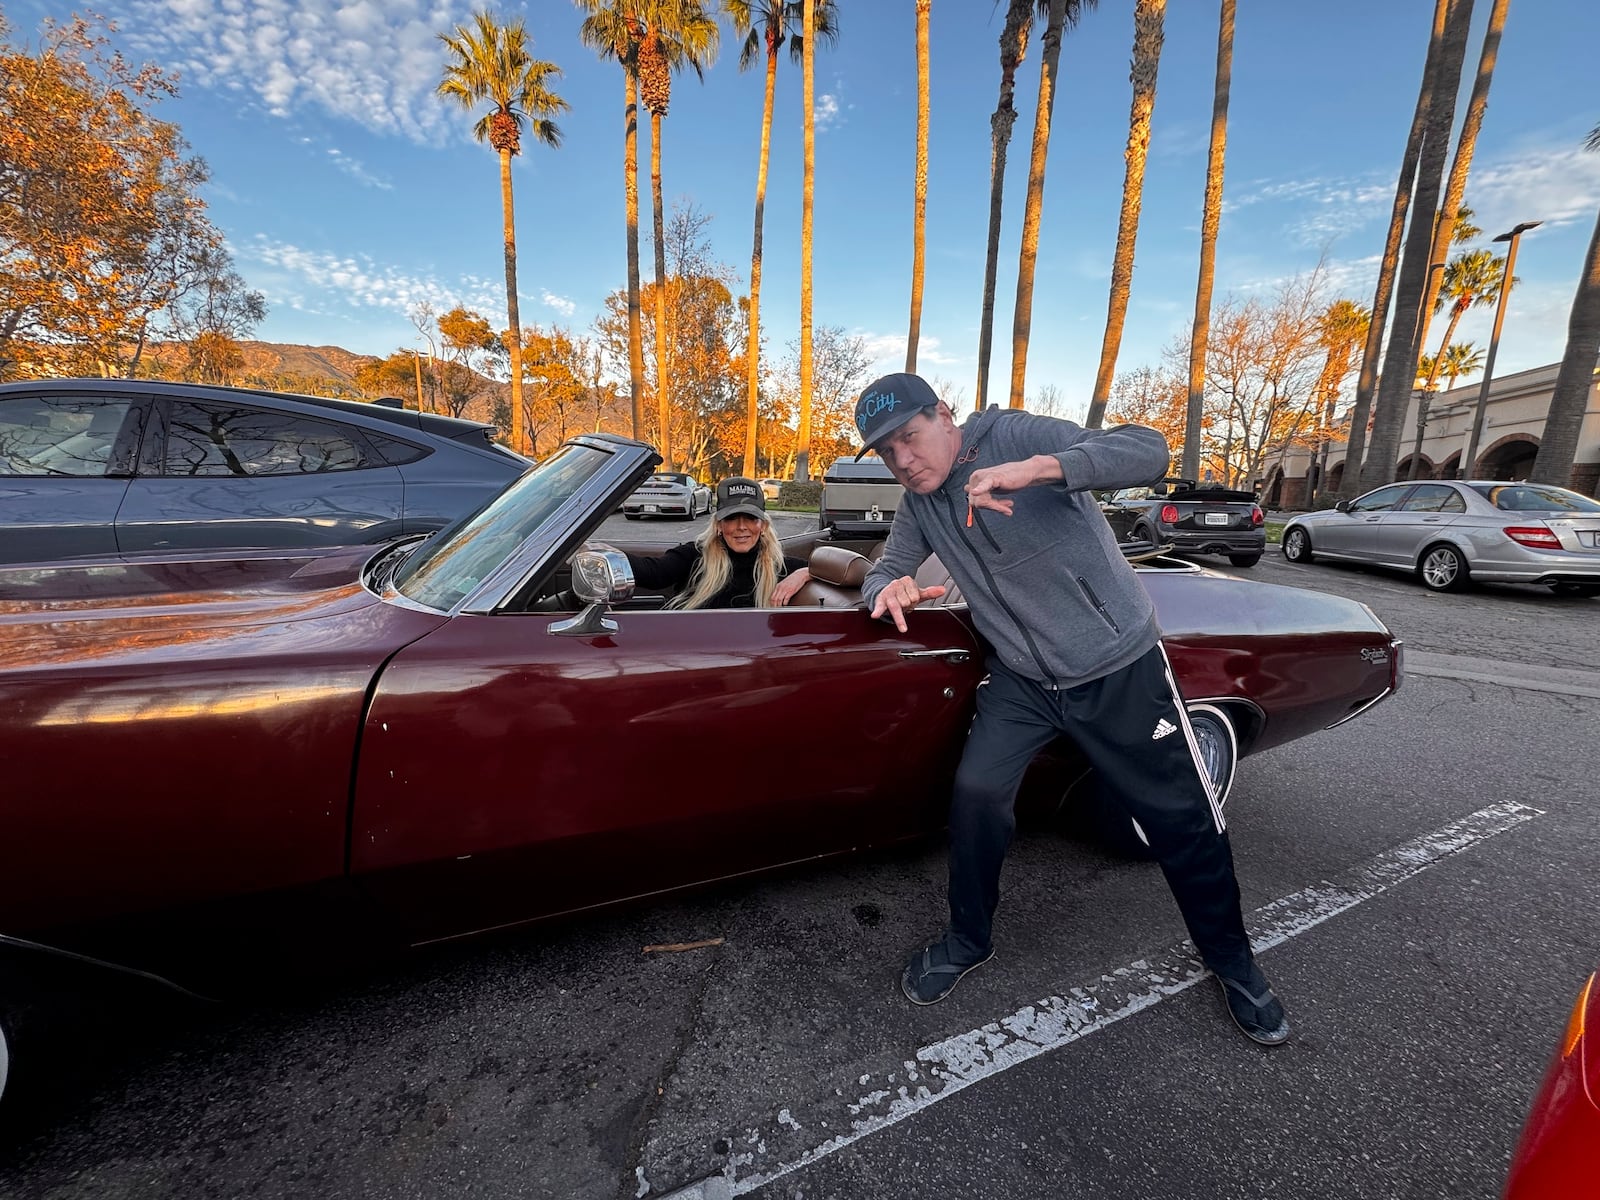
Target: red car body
[(219, 763), (1558, 1157)]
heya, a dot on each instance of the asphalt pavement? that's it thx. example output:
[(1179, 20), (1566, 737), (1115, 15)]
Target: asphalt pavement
[(1421, 882)]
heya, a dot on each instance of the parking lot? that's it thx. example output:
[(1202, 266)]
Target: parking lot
[(1420, 880)]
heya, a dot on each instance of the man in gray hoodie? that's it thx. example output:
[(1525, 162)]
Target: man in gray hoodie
[(1004, 501)]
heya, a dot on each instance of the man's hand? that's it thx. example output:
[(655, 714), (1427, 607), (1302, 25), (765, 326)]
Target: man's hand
[(1009, 477), (789, 585), (900, 597)]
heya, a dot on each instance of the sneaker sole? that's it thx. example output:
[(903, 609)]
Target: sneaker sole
[(1273, 1038), (909, 995)]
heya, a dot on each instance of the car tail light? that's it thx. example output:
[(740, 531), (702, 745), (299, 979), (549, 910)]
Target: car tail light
[(1169, 514), (1540, 537), (1257, 517)]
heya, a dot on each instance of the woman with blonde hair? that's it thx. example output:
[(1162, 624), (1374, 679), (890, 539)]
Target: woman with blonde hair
[(736, 563)]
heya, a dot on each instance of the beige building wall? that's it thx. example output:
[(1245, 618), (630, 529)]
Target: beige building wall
[(1513, 424)]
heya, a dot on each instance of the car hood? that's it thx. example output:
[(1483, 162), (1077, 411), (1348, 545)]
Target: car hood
[(51, 612)]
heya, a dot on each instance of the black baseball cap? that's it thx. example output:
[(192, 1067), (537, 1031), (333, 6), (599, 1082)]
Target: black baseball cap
[(889, 402), (736, 495)]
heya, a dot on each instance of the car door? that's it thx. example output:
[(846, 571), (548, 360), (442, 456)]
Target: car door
[(229, 474), (65, 460), (1356, 532), (1417, 520), (506, 773)]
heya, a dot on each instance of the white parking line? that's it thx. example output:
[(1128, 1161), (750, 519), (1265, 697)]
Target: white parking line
[(936, 1072)]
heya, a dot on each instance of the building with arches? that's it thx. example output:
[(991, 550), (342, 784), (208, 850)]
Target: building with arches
[(1435, 435)]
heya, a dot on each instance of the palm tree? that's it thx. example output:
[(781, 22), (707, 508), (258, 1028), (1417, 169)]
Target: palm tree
[(1148, 16), (1400, 357), (1575, 380), (612, 31), (767, 24), (491, 62), (675, 34), (1471, 280), (1444, 233), (1210, 219), (1456, 360), (919, 201), (1064, 15), (1366, 382), (808, 177), (1013, 45), (1342, 328)]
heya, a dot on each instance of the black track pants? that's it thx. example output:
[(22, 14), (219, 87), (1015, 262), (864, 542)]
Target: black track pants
[(1132, 727)]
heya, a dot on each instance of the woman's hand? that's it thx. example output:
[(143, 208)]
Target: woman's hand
[(789, 585)]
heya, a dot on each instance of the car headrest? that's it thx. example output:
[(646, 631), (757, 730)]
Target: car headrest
[(838, 566)]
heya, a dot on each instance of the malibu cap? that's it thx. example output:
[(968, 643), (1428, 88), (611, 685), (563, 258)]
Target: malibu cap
[(737, 495)]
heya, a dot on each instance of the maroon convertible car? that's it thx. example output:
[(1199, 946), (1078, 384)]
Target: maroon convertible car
[(221, 763)]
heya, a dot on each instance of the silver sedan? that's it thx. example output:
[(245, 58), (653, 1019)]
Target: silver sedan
[(1451, 532)]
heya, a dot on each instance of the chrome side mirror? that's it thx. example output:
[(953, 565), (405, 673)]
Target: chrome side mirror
[(599, 578)]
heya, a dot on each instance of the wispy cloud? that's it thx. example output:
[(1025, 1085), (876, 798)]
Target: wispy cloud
[(310, 280), (560, 303), (888, 352), (1557, 186), (827, 111), (375, 64), (353, 168)]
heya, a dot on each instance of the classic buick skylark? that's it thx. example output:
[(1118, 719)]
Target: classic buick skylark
[(260, 759)]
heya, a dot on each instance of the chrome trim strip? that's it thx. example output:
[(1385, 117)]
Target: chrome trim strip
[(55, 952), (1383, 695)]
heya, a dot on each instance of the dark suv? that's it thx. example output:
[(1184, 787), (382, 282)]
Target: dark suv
[(123, 466), (1191, 518)]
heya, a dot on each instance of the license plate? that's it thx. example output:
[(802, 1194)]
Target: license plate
[(652, 508), (1590, 539), (1216, 518)]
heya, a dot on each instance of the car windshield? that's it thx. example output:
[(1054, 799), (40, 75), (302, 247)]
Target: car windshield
[(670, 477), (1533, 497), (455, 560)]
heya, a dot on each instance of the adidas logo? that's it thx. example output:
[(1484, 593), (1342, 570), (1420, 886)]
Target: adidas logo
[(1163, 727)]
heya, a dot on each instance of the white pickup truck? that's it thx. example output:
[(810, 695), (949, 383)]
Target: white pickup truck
[(859, 497)]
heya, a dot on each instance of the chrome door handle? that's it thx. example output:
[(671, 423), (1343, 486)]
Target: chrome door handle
[(955, 656)]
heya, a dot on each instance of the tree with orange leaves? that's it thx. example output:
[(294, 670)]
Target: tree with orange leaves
[(101, 229)]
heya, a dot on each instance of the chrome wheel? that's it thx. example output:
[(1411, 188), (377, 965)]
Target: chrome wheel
[(1218, 749), (1443, 569), (1297, 546)]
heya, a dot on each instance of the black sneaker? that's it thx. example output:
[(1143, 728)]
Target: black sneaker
[(932, 973), (1254, 1008)]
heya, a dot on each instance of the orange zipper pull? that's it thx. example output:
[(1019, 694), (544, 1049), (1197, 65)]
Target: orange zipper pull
[(969, 512)]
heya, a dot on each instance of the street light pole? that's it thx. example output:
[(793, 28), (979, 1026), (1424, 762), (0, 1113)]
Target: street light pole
[(1470, 458)]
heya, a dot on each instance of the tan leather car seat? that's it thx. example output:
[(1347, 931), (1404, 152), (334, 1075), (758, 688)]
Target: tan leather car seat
[(836, 577)]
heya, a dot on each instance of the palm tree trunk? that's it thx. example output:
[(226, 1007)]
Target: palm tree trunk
[(1575, 381), (663, 339), (802, 467), (1466, 144), (630, 189), (1022, 316), (1148, 16), (752, 355), (1456, 311), (1400, 359), (919, 204), (519, 419), (1366, 380), (1013, 45), (1209, 221)]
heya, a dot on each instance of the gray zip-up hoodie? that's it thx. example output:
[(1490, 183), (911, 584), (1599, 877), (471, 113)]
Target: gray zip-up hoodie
[(1047, 586)]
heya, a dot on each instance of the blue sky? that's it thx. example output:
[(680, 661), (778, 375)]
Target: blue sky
[(348, 192)]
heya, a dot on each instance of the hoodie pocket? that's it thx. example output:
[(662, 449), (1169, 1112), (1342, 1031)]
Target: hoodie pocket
[(983, 528), (1099, 606)]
